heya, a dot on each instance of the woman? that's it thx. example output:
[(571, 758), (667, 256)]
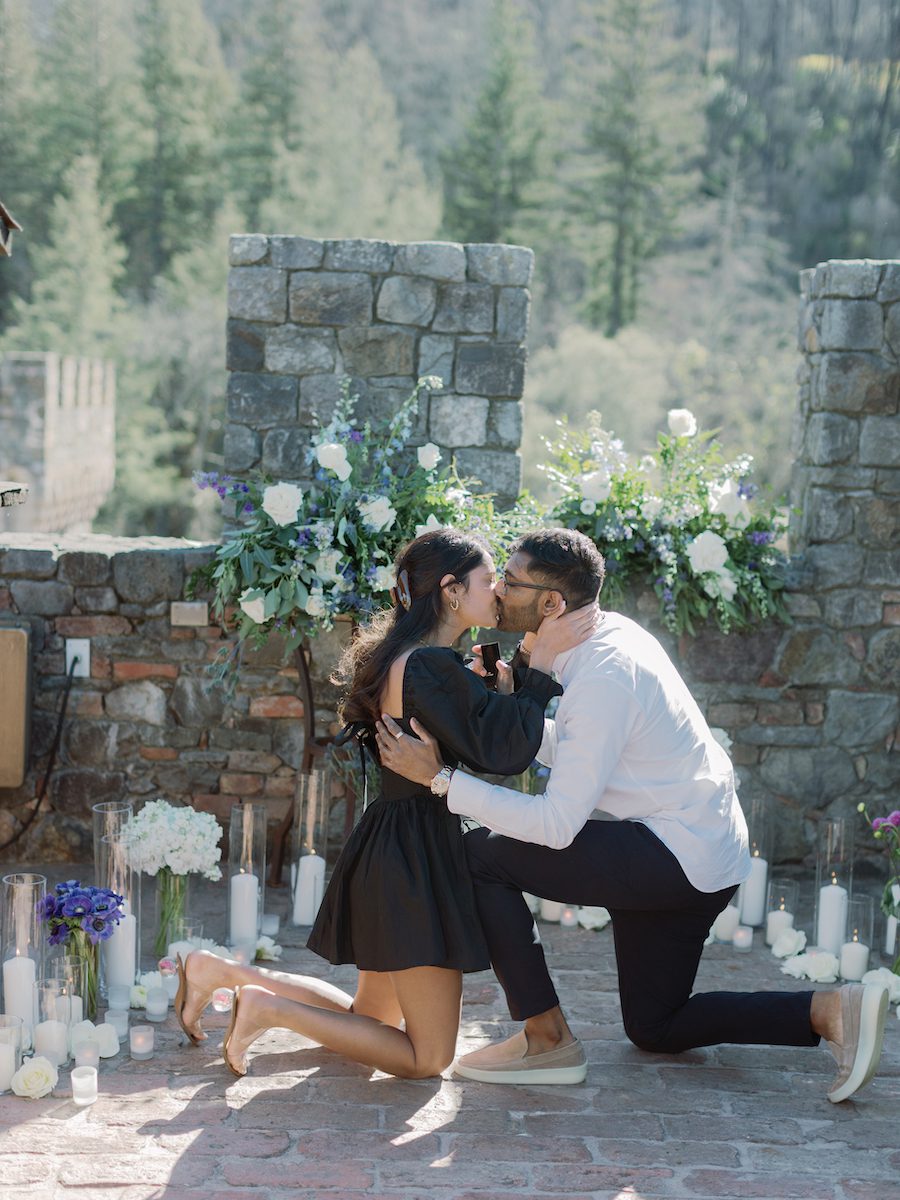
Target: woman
[(400, 904)]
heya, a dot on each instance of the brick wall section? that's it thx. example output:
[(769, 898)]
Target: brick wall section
[(303, 314)]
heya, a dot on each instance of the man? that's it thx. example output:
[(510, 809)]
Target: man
[(630, 740)]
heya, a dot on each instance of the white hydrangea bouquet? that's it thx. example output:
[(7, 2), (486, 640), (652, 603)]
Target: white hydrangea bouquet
[(678, 521), (310, 553), (171, 843)]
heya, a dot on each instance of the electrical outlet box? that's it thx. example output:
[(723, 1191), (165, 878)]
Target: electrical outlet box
[(80, 648)]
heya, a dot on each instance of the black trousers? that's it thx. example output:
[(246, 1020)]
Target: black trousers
[(659, 920)]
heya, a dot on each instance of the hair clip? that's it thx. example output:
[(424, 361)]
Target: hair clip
[(402, 589)]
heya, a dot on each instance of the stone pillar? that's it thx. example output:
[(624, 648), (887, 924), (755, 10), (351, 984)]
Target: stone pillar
[(303, 314)]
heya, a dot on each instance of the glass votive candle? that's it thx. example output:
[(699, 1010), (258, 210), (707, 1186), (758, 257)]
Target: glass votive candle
[(51, 1034), (244, 952), (84, 1085), (157, 1004), (270, 924), (118, 1018), (119, 996), (140, 1041), (568, 918), (781, 904), (87, 1053), (10, 1048), (742, 938)]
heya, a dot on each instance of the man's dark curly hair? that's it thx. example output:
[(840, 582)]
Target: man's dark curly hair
[(565, 560)]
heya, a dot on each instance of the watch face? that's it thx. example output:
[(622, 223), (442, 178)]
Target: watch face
[(440, 785)]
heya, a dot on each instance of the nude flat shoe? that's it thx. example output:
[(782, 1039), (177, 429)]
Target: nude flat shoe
[(509, 1062), (181, 999), (863, 1012), (234, 1012)]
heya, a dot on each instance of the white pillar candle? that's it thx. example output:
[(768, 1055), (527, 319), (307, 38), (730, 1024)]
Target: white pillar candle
[(119, 995), (140, 1041), (107, 1041), (84, 1085), (87, 1053), (244, 907), (753, 892), (157, 1004), (7, 1064), (119, 1021), (890, 937), (51, 1039), (120, 953), (70, 1009), (854, 960), (568, 918), (726, 923), (551, 910), (832, 917), (310, 888), (777, 921), (742, 938), (270, 923), (18, 988)]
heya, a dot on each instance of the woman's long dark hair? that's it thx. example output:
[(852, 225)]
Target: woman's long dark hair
[(364, 665)]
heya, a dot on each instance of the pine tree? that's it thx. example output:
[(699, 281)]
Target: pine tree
[(492, 172)]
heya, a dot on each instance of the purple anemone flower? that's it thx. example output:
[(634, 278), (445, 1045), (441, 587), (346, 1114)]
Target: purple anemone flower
[(60, 935), (46, 907), (98, 928), (77, 904)]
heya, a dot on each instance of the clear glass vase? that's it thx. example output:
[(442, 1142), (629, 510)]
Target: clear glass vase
[(171, 908), (23, 946), (79, 945)]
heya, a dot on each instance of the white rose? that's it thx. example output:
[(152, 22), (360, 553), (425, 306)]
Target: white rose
[(885, 976), (430, 524), (795, 966), (788, 943), (822, 968), (651, 508), (35, 1078), (268, 949), (333, 457), (588, 507), (327, 566), (383, 579), (595, 486), (281, 502), (593, 917), (707, 552), (429, 456), (315, 605), (727, 584), (682, 422), (377, 514), (725, 498), (255, 608)]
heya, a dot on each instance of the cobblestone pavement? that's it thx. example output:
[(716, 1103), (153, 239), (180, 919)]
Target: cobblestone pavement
[(727, 1122)]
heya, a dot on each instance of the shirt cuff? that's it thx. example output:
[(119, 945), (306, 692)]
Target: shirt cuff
[(467, 794)]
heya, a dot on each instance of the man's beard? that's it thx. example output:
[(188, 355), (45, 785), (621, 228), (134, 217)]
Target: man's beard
[(522, 620)]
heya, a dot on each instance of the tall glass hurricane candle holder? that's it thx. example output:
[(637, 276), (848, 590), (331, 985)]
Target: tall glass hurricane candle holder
[(246, 872), (109, 820), (834, 882), (10, 1049), (311, 806), (755, 886), (781, 907), (857, 945), (22, 947), (120, 953), (72, 969)]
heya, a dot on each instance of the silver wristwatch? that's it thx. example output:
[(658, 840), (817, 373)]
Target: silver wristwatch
[(440, 785)]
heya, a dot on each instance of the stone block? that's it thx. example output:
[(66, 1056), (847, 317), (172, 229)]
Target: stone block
[(437, 260), (75, 792), (359, 254), (319, 395), (276, 706), (483, 369), (882, 568), (831, 439), (147, 575), (96, 599), (407, 300), (284, 453), (509, 266), (835, 565), (733, 657), (505, 424), (257, 294), (291, 350), (852, 609), (330, 298), (247, 249), (883, 660), (877, 521), (850, 325), (887, 481), (858, 383), (198, 702), (93, 627), (436, 358), (464, 308), (879, 442), (513, 311), (859, 722), (140, 701), (242, 448), (378, 350), (829, 515), (381, 397), (889, 288), (261, 401), (42, 597), (84, 567), (296, 253), (30, 564), (500, 471), (458, 420), (800, 606), (244, 346), (892, 328), (814, 656), (90, 743), (780, 735), (851, 278), (814, 775)]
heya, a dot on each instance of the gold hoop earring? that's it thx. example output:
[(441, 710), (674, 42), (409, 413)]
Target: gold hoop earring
[(454, 604)]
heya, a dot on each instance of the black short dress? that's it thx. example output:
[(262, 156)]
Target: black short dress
[(401, 895)]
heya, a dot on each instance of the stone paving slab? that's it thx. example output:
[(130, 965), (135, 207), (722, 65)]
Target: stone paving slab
[(733, 1121)]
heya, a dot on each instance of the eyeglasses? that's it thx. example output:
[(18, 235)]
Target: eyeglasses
[(508, 583)]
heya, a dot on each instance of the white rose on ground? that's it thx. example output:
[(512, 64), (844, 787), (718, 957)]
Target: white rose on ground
[(268, 949), (327, 567), (651, 508), (887, 977), (35, 1078), (383, 579), (315, 605), (682, 422), (255, 609), (377, 514), (429, 456), (593, 917), (430, 524), (333, 457), (788, 943), (795, 966), (281, 502), (588, 507), (707, 552), (596, 486), (820, 968), (726, 499)]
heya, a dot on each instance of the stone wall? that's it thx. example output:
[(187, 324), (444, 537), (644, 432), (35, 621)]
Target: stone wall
[(304, 314), (57, 434)]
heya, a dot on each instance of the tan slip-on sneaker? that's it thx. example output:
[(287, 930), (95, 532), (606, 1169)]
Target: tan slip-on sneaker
[(863, 1012), (509, 1062)]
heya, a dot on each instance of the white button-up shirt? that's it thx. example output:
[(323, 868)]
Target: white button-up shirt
[(628, 739)]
